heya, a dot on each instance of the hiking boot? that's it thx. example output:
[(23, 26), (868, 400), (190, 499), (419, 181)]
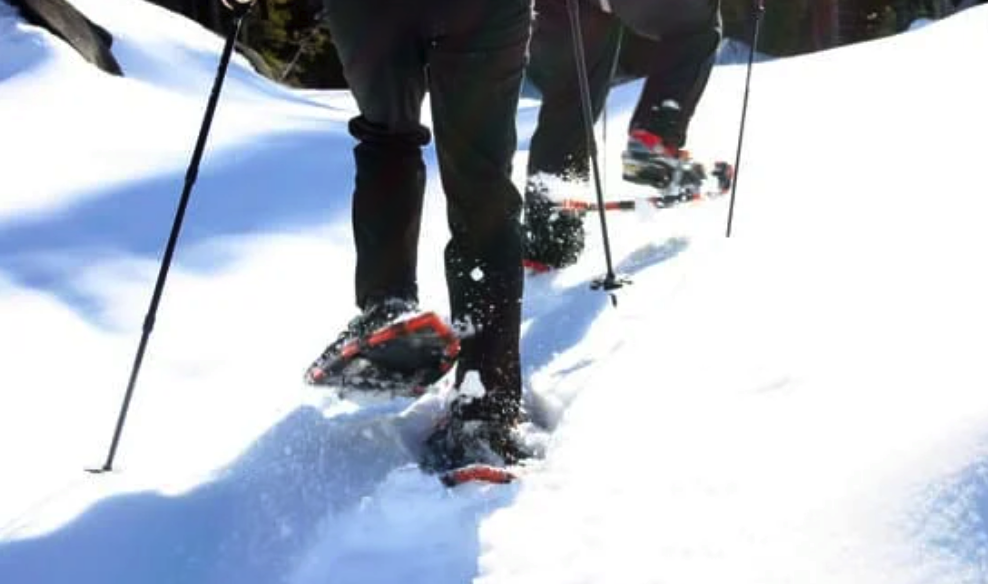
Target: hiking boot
[(649, 161), (654, 155), (458, 442)]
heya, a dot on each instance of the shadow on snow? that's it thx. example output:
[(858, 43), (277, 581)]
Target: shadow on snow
[(50, 252), (314, 499), (565, 316)]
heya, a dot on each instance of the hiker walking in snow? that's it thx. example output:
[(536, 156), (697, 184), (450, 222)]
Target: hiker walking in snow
[(672, 43), (470, 57)]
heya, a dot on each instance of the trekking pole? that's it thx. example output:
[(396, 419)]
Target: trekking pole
[(758, 7), (610, 281), (190, 179)]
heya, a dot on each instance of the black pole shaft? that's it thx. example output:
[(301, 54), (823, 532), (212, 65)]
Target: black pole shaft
[(190, 179), (759, 9), (610, 281)]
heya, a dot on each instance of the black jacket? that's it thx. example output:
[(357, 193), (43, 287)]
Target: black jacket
[(658, 18)]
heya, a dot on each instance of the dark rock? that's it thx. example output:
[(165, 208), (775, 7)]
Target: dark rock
[(61, 18)]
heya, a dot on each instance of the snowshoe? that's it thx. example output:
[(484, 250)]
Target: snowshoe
[(391, 347), (649, 161), (676, 181)]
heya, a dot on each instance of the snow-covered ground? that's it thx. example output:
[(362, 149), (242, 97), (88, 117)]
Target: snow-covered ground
[(803, 402)]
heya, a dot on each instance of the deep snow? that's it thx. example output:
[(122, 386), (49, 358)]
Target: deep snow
[(805, 401)]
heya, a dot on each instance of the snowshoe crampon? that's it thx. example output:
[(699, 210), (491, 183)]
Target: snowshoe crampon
[(402, 357)]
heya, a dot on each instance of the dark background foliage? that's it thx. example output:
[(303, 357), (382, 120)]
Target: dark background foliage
[(287, 41)]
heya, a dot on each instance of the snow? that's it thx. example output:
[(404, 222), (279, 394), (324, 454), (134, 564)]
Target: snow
[(733, 51), (803, 402)]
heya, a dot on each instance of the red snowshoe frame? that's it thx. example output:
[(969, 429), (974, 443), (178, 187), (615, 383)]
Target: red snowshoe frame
[(480, 473)]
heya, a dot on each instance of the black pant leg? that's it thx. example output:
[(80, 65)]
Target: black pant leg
[(677, 67), (387, 211), (476, 67), (558, 146), (384, 63)]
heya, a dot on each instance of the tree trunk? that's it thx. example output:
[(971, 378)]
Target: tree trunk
[(826, 24)]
